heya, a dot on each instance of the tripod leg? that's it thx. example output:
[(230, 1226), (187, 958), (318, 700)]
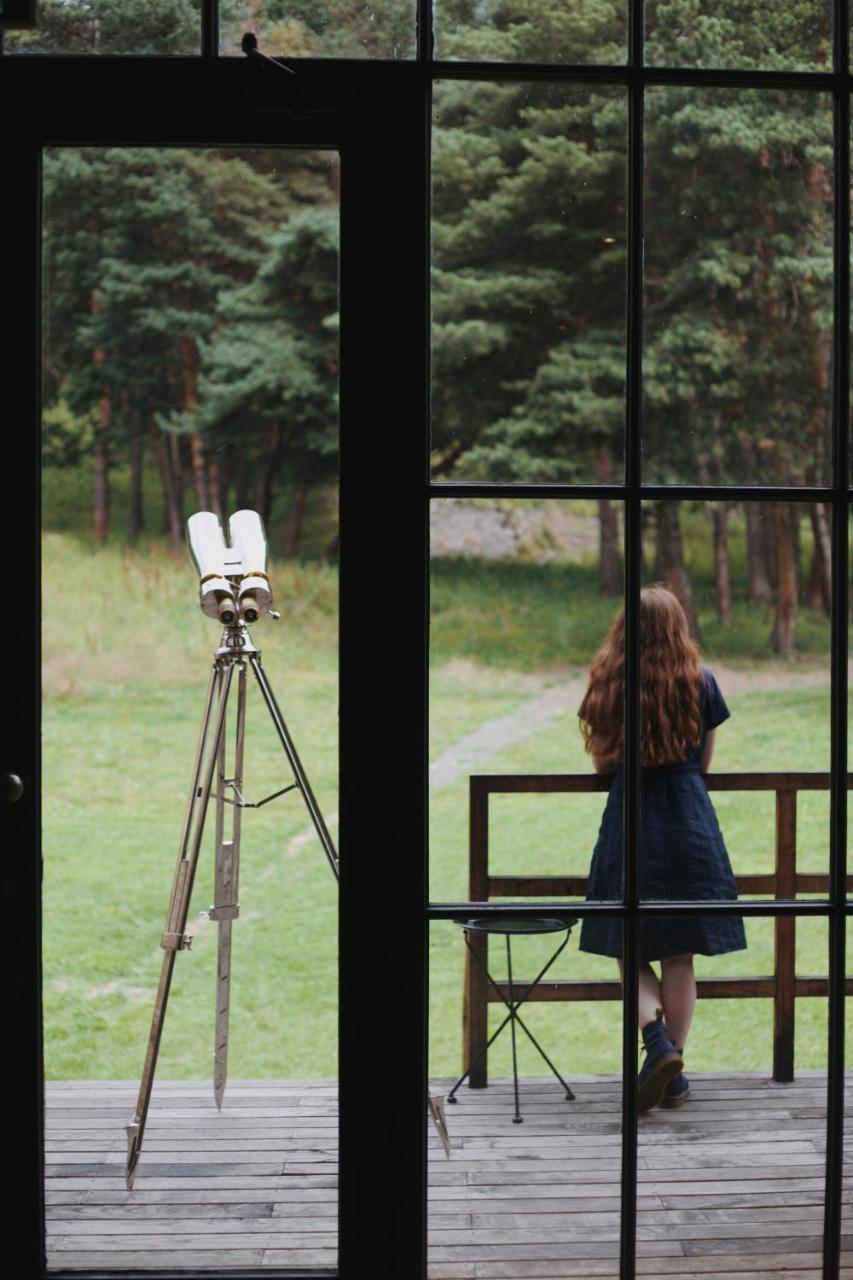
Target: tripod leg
[(298, 772), (174, 938), (226, 907)]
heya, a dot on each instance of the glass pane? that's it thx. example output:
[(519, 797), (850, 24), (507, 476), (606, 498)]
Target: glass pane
[(519, 594), (747, 34), (189, 293), (324, 29), (849, 841), (847, 1176), (738, 287), (741, 600), (530, 1186), (497, 31), (528, 284), (111, 27), (731, 1160)]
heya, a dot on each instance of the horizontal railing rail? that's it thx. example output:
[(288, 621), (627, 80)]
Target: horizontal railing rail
[(784, 986)]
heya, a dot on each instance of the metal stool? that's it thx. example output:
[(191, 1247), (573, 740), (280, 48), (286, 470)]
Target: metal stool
[(510, 929)]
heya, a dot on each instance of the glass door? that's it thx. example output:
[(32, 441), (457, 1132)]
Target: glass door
[(155, 247), (190, 317)]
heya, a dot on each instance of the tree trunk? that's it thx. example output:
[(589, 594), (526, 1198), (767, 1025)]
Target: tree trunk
[(101, 511), (771, 558), (216, 488), (265, 468), (820, 585), (670, 566), (759, 581), (100, 447), (783, 637), (173, 515), (719, 514), (197, 458), (795, 512), (136, 511), (609, 564), (177, 468), (243, 493), (219, 489), (199, 471), (294, 524)]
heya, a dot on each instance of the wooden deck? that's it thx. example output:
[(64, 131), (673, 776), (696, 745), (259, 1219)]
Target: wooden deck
[(730, 1185)]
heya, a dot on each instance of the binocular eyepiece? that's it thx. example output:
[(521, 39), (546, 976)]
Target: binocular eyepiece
[(233, 584)]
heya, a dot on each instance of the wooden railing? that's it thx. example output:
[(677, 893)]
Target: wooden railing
[(783, 986)]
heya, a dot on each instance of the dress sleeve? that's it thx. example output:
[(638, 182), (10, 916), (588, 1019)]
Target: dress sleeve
[(716, 710)]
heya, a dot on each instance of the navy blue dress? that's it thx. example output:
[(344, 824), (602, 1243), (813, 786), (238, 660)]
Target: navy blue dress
[(682, 857)]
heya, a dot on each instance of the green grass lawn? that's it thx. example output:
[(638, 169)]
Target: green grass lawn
[(125, 668)]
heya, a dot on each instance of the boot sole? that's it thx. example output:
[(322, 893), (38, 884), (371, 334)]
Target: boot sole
[(651, 1090), (678, 1101)]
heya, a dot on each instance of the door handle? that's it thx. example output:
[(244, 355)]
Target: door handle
[(11, 788)]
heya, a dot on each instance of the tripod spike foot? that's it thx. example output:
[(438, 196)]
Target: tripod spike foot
[(435, 1102), (133, 1144)]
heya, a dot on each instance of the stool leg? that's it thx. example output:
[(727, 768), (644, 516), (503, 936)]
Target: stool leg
[(512, 1017), (570, 1097), (476, 1073), (474, 1061)]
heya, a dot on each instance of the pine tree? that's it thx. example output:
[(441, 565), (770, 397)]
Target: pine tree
[(112, 26), (140, 242), (269, 388)]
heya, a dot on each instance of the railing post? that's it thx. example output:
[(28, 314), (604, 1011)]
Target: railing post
[(785, 937), (475, 1011)]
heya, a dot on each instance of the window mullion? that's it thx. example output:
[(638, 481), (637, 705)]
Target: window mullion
[(839, 697), (633, 575)]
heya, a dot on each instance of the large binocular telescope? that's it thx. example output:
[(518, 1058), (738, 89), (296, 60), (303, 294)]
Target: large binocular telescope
[(233, 583)]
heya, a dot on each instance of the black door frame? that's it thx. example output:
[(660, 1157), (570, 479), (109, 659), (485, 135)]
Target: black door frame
[(377, 115), (61, 101)]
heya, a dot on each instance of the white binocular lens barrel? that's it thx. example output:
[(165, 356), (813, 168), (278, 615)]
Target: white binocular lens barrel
[(209, 552), (233, 582), (246, 531)]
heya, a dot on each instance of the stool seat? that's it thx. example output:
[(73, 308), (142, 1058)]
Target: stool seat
[(486, 924), (510, 929)]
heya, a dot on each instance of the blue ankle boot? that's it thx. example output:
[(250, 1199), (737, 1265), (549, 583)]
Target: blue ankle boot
[(677, 1089), (662, 1064)]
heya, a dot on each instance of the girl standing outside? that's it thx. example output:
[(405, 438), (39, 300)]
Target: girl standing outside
[(681, 851)]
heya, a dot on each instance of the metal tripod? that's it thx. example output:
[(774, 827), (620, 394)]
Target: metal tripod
[(234, 654)]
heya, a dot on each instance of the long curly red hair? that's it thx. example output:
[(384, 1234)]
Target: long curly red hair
[(671, 686)]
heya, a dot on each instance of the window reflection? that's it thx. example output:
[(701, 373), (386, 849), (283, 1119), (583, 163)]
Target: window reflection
[(111, 27), (739, 33), (321, 28), (497, 31)]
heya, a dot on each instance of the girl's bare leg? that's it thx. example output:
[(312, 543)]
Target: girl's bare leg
[(678, 997), (651, 997)]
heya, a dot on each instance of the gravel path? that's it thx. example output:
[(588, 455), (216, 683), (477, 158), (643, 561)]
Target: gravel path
[(469, 753)]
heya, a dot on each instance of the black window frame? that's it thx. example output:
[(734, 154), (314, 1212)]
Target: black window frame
[(372, 111)]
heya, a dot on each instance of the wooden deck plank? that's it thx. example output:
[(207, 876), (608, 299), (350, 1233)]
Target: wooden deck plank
[(731, 1185)]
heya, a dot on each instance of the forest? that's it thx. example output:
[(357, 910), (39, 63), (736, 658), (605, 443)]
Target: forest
[(191, 324)]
